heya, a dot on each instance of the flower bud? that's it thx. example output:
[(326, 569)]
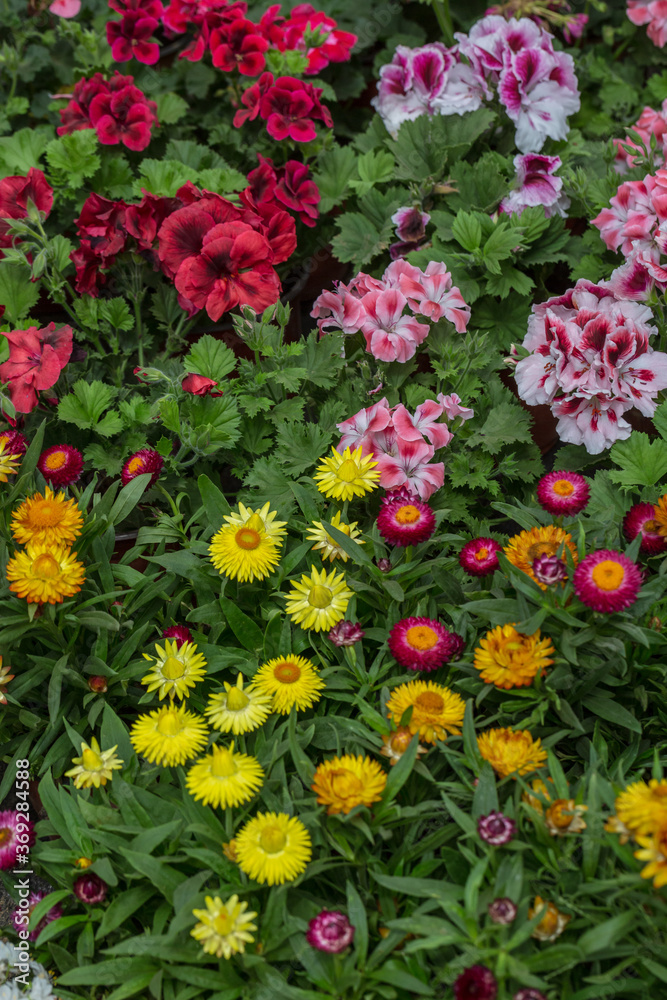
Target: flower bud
[(98, 684), (330, 931), (90, 888), (502, 911)]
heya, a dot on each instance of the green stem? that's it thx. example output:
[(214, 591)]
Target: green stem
[(139, 329), (442, 12)]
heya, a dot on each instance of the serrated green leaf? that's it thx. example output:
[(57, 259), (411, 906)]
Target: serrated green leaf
[(211, 358), (170, 108), (642, 462), (17, 293), (74, 157)]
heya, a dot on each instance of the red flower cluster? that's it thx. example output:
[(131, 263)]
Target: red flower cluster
[(237, 43), (115, 108), (36, 359), (218, 255), (291, 185), (289, 107), (129, 37), (15, 193)]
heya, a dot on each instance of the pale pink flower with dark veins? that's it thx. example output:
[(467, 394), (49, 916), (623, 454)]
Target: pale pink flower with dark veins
[(424, 423), (488, 40), (340, 310), (538, 89), (453, 409), (390, 336), (411, 467), (430, 293), (536, 185), (356, 429)]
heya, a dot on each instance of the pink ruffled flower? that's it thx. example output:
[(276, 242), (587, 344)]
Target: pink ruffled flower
[(496, 828), (424, 423), (640, 519), (359, 429), (607, 581), (330, 931), (9, 823), (339, 310), (654, 14), (650, 123), (536, 185), (19, 915), (538, 89), (389, 335), (423, 644), (430, 293), (65, 8), (563, 493), (453, 409), (630, 220), (405, 520), (409, 464), (479, 556), (591, 361), (178, 632)]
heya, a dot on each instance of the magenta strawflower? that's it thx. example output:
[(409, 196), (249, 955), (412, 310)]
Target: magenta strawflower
[(144, 460), (528, 993), (496, 829), (563, 493), (90, 888), (479, 557), (423, 643), (607, 581), (15, 442), (476, 983), (641, 519), (549, 570), (10, 820), (178, 632), (330, 931), (346, 633), (405, 521), (502, 911), (21, 915), (61, 465)]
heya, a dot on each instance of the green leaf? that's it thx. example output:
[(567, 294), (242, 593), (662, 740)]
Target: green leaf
[(374, 167), (507, 423), (171, 108), (304, 766), (86, 403), (356, 912), (335, 168), (165, 878), (22, 150), (611, 711), (243, 627), (605, 934), (467, 230), (117, 970), (117, 313), (161, 177), (128, 498), (401, 771), (215, 502), (211, 358), (18, 293), (642, 462), (73, 157)]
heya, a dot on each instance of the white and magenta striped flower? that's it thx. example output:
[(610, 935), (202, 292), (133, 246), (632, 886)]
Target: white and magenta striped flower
[(536, 184)]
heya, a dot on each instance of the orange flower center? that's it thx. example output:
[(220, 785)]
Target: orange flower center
[(408, 514), (319, 597), (135, 464), (348, 471), (651, 525), (608, 575), (542, 549), (5, 835), (272, 840), (563, 487), (421, 637), (345, 784), (481, 554), (45, 514), (549, 922), (45, 567), (247, 538), (430, 701), (286, 672), (56, 460)]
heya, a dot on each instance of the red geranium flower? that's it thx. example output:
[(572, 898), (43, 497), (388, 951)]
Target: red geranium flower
[(288, 109), (278, 228), (298, 191), (102, 222), (123, 116), (15, 192), (182, 235), (128, 38), (252, 99), (89, 276), (231, 270), (149, 8), (199, 385), (143, 221), (36, 359), (239, 46)]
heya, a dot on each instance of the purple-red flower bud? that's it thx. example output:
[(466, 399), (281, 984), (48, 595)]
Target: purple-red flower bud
[(90, 888), (330, 931), (496, 829)]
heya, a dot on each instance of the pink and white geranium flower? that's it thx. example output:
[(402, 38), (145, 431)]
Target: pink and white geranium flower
[(340, 310), (650, 123), (591, 361), (654, 14), (430, 294), (536, 184), (390, 336), (411, 467), (365, 424), (538, 90)]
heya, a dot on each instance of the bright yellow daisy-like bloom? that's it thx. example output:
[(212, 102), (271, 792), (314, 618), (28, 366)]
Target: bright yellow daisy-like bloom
[(318, 600), (345, 476), (5, 678), (511, 751), (224, 778), (238, 709), (274, 529), (290, 681), (244, 553), (508, 658), (45, 574), (345, 782), (224, 928), (642, 808), (175, 669), (49, 518), (653, 848), (170, 735), (328, 546), (523, 549), (436, 711), (273, 848), (9, 462), (553, 922), (94, 767)]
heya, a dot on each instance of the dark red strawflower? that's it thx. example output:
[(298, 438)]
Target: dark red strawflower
[(14, 442), (61, 464), (479, 557), (36, 359), (178, 632), (239, 46), (129, 38), (564, 493), (346, 633), (502, 911), (641, 519), (496, 829), (199, 385), (90, 888), (144, 460), (476, 983)]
